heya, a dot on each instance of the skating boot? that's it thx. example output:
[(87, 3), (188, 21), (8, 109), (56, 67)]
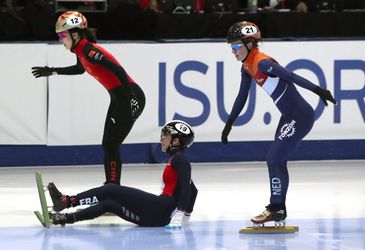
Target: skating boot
[(269, 215), (59, 200)]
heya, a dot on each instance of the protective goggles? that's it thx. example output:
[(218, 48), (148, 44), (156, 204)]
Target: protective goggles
[(62, 35), (236, 46)]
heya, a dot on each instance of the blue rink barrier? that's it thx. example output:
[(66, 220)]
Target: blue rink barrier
[(40, 155)]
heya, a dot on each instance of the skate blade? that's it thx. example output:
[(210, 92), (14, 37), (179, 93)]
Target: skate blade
[(40, 218), (269, 230), (42, 215)]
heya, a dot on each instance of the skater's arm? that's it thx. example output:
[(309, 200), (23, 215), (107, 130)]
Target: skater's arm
[(193, 195), (272, 68), (77, 69), (183, 169), (241, 98), (39, 71), (238, 105)]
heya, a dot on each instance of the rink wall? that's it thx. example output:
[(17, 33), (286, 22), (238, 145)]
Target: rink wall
[(60, 120)]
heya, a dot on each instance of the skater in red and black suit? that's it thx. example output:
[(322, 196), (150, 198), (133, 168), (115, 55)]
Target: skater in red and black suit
[(297, 116), (170, 208), (127, 98)]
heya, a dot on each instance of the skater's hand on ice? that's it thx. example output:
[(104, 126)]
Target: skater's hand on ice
[(176, 220), (134, 108), (42, 71), (225, 132), (325, 95)]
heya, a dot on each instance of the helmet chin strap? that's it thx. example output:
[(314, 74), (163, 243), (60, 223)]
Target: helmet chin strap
[(74, 43), (248, 51), (171, 147)]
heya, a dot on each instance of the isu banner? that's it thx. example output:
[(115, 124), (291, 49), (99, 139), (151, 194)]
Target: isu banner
[(23, 99), (194, 82), (198, 83)]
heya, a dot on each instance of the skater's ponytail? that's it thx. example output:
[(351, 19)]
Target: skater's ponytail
[(90, 35)]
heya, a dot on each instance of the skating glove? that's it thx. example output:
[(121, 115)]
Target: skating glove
[(134, 108), (176, 220), (42, 71), (325, 95), (225, 132), (58, 219), (186, 218)]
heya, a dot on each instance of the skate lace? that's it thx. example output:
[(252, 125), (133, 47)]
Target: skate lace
[(266, 213)]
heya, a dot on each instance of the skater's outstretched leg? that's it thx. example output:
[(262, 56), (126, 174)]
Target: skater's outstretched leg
[(59, 200)]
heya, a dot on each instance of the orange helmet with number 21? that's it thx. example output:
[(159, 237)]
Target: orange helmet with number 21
[(243, 30), (70, 20)]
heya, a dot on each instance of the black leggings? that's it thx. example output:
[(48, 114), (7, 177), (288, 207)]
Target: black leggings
[(131, 204), (117, 126)]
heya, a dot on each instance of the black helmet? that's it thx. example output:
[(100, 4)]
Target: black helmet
[(179, 129), (242, 31)]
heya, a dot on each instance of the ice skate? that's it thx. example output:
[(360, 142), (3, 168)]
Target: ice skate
[(278, 217), (267, 215), (59, 200)]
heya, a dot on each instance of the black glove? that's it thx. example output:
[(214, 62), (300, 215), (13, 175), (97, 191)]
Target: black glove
[(42, 71), (325, 95), (226, 131), (134, 108)]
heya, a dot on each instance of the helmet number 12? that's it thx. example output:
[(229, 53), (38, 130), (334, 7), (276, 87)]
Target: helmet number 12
[(74, 20)]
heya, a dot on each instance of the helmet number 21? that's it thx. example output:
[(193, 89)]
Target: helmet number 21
[(249, 30)]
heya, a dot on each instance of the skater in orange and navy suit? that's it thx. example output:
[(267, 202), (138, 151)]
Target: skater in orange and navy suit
[(297, 116), (127, 99)]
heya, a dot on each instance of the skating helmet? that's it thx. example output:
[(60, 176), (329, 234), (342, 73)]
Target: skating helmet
[(245, 31), (70, 20), (179, 129)]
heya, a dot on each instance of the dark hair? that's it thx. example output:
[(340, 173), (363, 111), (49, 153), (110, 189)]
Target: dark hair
[(252, 40), (87, 33), (90, 35)]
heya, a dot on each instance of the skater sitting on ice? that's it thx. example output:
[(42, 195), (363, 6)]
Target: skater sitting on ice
[(297, 116), (170, 208)]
